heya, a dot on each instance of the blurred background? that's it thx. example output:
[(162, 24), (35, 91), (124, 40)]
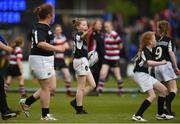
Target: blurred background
[(130, 18)]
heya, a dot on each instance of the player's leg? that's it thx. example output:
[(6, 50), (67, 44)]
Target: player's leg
[(81, 82), (7, 82), (117, 74), (103, 74), (22, 89), (91, 84), (172, 90), (145, 104), (67, 80)]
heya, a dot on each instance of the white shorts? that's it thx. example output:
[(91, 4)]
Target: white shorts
[(81, 66), (165, 72), (144, 80), (42, 66)]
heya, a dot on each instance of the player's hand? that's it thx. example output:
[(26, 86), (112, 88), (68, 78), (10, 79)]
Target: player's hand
[(66, 46), (164, 61), (60, 48), (177, 71), (9, 49)]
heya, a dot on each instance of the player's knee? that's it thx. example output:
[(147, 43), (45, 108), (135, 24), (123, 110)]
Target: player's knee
[(93, 86), (152, 96), (163, 92)]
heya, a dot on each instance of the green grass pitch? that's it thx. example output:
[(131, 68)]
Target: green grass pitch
[(108, 108)]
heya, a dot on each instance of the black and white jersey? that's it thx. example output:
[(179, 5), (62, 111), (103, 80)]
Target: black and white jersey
[(41, 33), (163, 46), (80, 46), (141, 63)]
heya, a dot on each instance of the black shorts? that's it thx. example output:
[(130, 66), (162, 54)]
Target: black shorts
[(111, 63), (13, 70), (59, 64)]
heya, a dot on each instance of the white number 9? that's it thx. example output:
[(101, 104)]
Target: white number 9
[(158, 52)]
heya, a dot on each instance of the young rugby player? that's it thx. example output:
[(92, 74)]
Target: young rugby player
[(59, 58), (81, 65), (15, 69), (146, 82), (113, 44), (41, 61), (166, 73)]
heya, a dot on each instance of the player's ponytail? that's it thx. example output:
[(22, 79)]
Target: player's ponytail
[(163, 27), (76, 22), (43, 11)]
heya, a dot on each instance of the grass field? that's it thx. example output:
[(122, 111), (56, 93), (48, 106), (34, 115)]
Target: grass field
[(108, 108)]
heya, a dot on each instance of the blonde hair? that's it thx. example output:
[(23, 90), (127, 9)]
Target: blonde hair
[(163, 27), (76, 22), (144, 41)]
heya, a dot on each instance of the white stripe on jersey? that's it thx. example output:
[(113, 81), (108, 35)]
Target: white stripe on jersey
[(111, 46), (111, 57), (112, 51), (170, 46)]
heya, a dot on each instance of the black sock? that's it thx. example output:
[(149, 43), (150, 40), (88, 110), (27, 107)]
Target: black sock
[(169, 99), (30, 100), (3, 103), (45, 111), (160, 104), (143, 107), (79, 108)]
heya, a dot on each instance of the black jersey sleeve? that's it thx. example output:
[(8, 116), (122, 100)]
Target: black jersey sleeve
[(171, 45), (41, 35)]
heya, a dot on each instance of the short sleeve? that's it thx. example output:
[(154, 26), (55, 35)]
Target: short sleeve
[(41, 36), (171, 46)]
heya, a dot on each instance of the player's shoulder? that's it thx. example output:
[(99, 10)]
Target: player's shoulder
[(167, 39)]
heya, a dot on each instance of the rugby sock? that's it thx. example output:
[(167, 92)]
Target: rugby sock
[(169, 99), (45, 111), (160, 105), (143, 107), (30, 100), (120, 82), (101, 85), (6, 86), (22, 89)]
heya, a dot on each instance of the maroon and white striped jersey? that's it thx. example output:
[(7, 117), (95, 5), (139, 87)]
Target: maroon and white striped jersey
[(112, 46), (59, 40), (15, 55)]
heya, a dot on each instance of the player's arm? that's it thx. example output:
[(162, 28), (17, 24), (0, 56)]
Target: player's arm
[(49, 47), (6, 48), (20, 65), (172, 56), (155, 63), (150, 61)]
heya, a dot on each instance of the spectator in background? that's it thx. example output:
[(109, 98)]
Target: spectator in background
[(113, 44), (15, 67), (95, 41), (59, 60)]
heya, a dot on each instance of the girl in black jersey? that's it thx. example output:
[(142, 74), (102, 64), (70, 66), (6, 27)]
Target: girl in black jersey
[(41, 61), (166, 73), (81, 65), (142, 77)]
